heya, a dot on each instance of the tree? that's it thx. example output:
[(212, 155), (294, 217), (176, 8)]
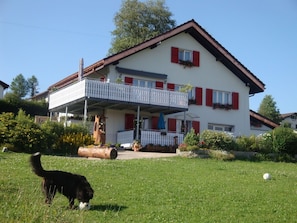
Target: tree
[(19, 86), (269, 109), (32, 86), (139, 21)]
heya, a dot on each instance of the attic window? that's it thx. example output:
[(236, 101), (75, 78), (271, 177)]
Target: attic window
[(184, 57)]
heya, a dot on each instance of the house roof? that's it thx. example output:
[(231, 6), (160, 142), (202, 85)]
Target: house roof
[(264, 120), (4, 85), (197, 32), (286, 115)]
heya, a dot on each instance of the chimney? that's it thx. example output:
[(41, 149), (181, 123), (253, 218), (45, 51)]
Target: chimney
[(81, 69)]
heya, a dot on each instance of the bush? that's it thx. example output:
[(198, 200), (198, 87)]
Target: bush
[(191, 139), (221, 155), (218, 140), (248, 143), (21, 134), (279, 140)]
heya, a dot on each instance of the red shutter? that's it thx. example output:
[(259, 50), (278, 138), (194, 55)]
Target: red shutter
[(196, 126), (128, 80), (155, 122), (174, 55), (209, 97), (172, 124), (159, 85), (235, 100), (196, 58), (198, 95), (129, 121), (170, 87)]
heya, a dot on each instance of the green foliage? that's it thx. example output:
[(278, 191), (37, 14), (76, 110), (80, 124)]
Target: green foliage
[(20, 133), (280, 140), (19, 86), (269, 109), (11, 103), (218, 140), (138, 21), (191, 138), (248, 143)]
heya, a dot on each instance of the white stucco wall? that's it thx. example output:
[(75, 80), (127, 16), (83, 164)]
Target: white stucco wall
[(1, 92), (211, 74)]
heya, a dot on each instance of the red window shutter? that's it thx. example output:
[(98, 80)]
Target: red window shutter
[(129, 121), (170, 87), (155, 122), (196, 58), (174, 55), (128, 80), (209, 97), (235, 100), (196, 126), (198, 95), (172, 124), (159, 84)]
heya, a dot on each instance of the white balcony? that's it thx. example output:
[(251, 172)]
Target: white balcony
[(94, 90), (150, 137)]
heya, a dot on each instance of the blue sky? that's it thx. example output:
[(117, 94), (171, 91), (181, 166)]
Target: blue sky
[(48, 38)]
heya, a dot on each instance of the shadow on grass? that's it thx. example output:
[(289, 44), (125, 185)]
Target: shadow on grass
[(108, 207)]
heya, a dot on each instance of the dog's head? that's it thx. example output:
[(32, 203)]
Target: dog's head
[(85, 192)]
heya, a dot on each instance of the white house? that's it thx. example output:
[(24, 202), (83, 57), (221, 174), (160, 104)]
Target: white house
[(3, 86), (132, 88), (290, 119), (260, 124)]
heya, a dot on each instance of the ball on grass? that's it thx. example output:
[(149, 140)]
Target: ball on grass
[(84, 206), (266, 176)]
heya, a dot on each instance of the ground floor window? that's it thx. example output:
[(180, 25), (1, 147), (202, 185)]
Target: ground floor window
[(220, 127)]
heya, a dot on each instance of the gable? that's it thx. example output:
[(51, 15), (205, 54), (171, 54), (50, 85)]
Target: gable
[(201, 36)]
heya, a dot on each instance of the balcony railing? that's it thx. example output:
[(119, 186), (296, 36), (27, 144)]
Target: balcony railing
[(150, 137), (88, 88)]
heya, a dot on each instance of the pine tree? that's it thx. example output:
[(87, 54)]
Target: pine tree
[(269, 109)]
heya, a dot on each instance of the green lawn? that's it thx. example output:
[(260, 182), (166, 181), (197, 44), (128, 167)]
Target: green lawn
[(154, 190)]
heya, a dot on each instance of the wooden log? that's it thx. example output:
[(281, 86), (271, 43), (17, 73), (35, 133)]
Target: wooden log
[(103, 153)]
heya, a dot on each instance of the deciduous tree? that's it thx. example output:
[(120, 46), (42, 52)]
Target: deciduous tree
[(139, 21)]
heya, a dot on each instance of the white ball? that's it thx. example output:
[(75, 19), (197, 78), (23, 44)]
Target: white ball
[(84, 206), (266, 176)]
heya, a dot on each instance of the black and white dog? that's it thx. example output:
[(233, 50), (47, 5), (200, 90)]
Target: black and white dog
[(73, 186)]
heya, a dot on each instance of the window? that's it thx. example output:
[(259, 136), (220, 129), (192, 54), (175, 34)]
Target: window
[(191, 93), (185, 55), (189, 57), (222, 97), (144, 83), (222, 128)]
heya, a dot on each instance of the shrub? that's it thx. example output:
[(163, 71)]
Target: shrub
[(248, 143), (218, 140), (279, 140), (191, 138)]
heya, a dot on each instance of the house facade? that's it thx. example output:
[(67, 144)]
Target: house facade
[(260, 124), (290, 119), (158, 90)]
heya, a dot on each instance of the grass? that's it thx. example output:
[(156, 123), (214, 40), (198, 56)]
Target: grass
[(154, 190)]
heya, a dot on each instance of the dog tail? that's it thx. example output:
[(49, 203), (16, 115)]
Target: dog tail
[(36, 164)]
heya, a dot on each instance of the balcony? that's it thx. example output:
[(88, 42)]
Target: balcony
[(116, 96)]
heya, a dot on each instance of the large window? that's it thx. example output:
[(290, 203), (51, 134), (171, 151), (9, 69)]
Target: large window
[(144, 83), (222, 97)]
